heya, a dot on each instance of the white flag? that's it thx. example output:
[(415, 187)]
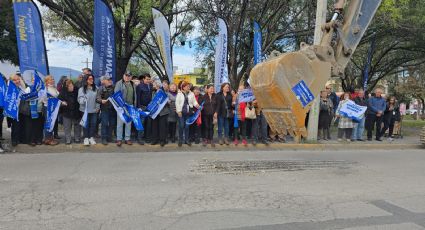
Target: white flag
[(221, 74), (163, 38)]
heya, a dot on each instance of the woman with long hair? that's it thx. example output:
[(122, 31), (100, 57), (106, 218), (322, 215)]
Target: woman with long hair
[(87, 99), (209, 114), (224, 113), (391, 115)]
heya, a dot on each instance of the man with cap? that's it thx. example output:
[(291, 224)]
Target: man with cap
[(128, 90), (108, 115)]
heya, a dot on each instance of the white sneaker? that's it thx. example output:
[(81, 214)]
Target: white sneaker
[(92, 141), (390, 139), (339, 139), (86, 142), (1, 150), (9, 130)]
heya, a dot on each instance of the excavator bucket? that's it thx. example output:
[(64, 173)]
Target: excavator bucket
[(286, 86)]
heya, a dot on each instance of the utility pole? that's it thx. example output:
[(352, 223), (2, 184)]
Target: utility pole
[(313, 119), (87, 62)]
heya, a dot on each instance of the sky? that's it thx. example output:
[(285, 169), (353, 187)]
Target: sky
[(70, 54)]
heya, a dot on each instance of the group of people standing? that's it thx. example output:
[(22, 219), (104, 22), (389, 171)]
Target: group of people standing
[(170, 125), (235, 122), (381, 115)]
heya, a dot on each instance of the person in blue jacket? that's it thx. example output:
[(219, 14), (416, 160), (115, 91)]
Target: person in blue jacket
[(375, 111)]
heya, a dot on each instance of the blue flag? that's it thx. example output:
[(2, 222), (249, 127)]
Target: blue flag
[(104, 49), (120, 106), (246, 95), (368, 62), (257, 43), (135, 117), (3, 89), (11, 101), (235, 117), (157, 104), (30, 37), (195, 116), (84, 120), (53, 105)]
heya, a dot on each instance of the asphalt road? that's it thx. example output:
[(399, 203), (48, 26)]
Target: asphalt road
[(244, 190)]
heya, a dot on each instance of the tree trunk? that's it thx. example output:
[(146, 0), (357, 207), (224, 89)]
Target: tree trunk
[(122, 63)]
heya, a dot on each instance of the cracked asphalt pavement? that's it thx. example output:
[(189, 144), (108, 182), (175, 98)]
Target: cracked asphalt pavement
[(244, 190)]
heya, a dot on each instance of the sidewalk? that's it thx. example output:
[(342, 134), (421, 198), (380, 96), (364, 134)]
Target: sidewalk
[(407, 142), (397, 144)]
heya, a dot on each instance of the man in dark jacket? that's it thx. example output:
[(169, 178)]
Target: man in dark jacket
[(144, 97), (375, 110), (108, 115)]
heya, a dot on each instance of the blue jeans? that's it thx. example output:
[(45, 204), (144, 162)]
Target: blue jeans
[(120, 126), (108, 122), (183, 129), (91, 125), (223, 124), (358, 130)]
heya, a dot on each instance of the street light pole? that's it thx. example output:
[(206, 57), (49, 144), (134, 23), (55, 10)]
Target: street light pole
[(313, 119)]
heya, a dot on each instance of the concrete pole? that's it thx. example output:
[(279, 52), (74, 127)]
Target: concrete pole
[(313, 120)]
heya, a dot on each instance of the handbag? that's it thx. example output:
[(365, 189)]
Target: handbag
[(229, 112), (250, 113)]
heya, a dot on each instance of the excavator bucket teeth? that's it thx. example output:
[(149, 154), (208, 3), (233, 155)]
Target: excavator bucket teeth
[(282, 87)]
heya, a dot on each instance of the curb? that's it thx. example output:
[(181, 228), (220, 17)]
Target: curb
[(136, 148)]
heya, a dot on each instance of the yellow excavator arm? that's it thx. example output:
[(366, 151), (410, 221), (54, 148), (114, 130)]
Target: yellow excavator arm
[(285, 86)]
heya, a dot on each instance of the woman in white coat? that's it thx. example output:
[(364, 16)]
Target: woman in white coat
[(185, 101)]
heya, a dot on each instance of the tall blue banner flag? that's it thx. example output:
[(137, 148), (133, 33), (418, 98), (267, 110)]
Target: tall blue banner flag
[(30, 37), (104, 49), (257, 43), (368, 62)]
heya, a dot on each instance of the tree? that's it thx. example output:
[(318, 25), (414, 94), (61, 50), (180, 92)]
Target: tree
[(133, 23), (414, 86), (284, 23), (8, 46), (399, 30)]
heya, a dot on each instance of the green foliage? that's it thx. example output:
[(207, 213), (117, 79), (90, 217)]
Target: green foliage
[(8, 46)]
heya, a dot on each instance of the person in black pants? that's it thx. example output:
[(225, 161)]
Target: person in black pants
[(375, 111), (209, 114), (144, 97), (391, 115), (159, 124)]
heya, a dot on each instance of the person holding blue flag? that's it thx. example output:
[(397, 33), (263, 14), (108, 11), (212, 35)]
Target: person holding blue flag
[(87, 100), (144, 97), (107, 112), (241, 119), (128, 90), (16, 110), (3, 88), (345, 124), (52, 92), (185, 102), (159, 124)]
